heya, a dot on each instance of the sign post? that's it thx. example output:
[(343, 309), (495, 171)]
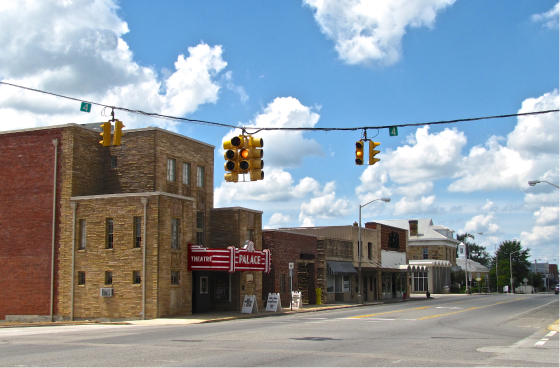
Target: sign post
[(291, 267)]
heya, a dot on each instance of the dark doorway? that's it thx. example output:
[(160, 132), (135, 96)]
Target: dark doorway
[(201, 291)]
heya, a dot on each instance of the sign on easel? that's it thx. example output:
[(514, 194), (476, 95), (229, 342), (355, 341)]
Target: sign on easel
[(250, 304), (296, 299), (273, 303)]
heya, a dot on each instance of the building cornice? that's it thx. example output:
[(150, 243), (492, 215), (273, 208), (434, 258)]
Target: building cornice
[(128, 195)]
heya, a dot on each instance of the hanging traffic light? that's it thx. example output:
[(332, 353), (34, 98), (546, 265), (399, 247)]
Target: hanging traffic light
[(373, 152), (232, 159), (256, 164), (106, 141), (359, 153), (118, 133)]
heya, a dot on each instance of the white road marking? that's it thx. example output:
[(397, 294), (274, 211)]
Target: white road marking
[(551, 333)]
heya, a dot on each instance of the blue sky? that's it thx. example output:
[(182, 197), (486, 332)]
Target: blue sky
[(321, 64)]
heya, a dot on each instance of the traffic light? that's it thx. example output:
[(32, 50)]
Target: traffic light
[(359, 153), (373, 152), (256, 164), (118, 133), (232, 159), (106, 141)]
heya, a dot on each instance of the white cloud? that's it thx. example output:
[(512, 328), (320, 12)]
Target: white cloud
[(277, 220), (366, 31), (544, 233), (489, 206), (324, 205), (306, 185), (411, 206), (549, 18), (75, 48), (546, 216), (237, 89), (481, 224), (416, 189), (531, 152), (426, 156)]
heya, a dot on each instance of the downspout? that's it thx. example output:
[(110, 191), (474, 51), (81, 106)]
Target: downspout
[(55, 142), (144, 201), (74, 205)]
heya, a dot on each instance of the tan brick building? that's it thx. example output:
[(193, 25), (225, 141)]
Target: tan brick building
[(122, 219)]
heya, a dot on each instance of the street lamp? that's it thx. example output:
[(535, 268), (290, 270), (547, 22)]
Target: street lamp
[(467, 253), (535, 182), (511, 271), (360, 246)]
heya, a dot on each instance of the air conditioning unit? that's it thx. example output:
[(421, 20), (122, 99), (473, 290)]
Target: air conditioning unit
[(106, 292)]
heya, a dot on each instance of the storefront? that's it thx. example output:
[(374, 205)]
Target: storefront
[(222, 277), (339, 281)]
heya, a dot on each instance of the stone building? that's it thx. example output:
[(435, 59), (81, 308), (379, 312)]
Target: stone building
[(431, 251), (110, 227)]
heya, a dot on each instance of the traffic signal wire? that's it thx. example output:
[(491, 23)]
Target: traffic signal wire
[(243, 128)]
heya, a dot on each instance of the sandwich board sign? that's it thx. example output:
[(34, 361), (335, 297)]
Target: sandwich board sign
[(273, 303), (250, 304), (296, 299)]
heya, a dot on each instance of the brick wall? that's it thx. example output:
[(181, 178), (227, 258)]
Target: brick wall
[(385, 234), (287, 247), (26, 202)]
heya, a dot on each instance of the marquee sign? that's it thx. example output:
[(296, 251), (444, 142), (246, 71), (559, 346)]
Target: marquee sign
[(231, 259)]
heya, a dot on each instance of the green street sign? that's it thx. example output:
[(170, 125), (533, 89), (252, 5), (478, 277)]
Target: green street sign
[(86, 107), (393, 131)]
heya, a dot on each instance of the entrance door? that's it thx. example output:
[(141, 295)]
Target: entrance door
[(201, 291), (364, 287)]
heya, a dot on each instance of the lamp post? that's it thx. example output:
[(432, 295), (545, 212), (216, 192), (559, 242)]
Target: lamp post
[(535, 182), (360, 246), (511, 272), (496, 252)]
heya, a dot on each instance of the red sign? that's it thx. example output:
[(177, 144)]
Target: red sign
[(231, 259)]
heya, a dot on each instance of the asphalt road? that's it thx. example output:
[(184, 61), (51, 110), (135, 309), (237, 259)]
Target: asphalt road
[(494, 330)]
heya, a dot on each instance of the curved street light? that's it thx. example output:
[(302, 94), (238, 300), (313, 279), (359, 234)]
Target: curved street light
[(535, 182), (360, 246)]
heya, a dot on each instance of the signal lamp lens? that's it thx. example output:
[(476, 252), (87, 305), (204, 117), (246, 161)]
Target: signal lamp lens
[(230, 154), (244, 165), (230, 166), (244, 153)]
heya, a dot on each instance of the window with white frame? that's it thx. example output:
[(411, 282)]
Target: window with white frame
[(200, 176), (171, 169), (186, 173), (109, 233), (420, 281), (424, 253)]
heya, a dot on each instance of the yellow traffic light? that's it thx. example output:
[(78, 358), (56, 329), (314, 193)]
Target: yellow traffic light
[(232, 159), (106, 141), (118, 133), (256, 154), (359, 153), (373, 152)]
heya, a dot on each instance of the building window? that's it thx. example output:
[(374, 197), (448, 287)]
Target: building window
[(81, 278), (136, 277), (175, 277), (204, 284), (394, 240), (109, 233), (420, 281), (137, 231), (186, 173), (424, 253), (461, 250), (370, 251), (200, 228), (250, 234), (82, 235), (200, 176), (175, 232), (171, 170), (108, 277), (113, 162)]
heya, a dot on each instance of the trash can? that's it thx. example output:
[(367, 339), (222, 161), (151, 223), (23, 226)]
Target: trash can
[(404, 296)]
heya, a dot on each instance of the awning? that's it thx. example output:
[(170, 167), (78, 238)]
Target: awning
[(339, 267)]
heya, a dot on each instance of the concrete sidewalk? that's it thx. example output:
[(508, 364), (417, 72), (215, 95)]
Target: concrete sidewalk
[(215, 316)]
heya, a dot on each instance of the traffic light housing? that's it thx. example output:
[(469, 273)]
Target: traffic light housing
[(106, 140), (118, 133), (232, 158), (256, 164), (359, 152), (373, 152)]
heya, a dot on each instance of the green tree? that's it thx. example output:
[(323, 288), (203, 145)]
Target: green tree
[(519, 262), (537, 281), (476, 252)]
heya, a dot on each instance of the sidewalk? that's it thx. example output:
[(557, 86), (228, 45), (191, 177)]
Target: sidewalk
[(217, 316)]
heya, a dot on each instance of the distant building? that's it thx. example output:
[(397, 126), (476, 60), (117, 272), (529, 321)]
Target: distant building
[(431, 246)]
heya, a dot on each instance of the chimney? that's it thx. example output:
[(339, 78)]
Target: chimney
[(413, 225)]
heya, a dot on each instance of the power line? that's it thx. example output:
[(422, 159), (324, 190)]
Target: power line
[(204, 122)]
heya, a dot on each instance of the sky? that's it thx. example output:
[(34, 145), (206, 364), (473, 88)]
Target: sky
[(320, 64)]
